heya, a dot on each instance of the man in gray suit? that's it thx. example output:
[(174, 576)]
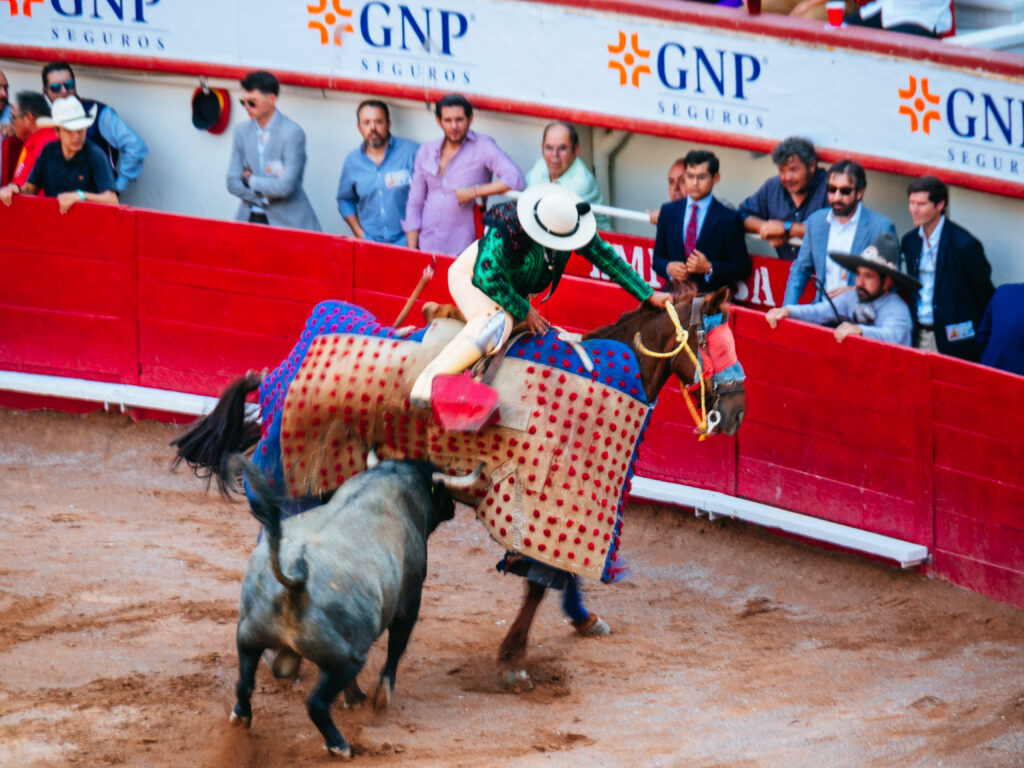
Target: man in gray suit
[(267, 161), (846, 226)]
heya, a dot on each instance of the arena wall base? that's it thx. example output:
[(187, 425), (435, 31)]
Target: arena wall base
[(713, 503)]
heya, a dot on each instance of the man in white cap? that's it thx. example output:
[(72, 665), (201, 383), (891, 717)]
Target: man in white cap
[(873, 309), (71, 169), (524, 251)]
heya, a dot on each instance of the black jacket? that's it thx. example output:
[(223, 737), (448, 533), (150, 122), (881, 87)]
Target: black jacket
[(963, 286), (721, 239)]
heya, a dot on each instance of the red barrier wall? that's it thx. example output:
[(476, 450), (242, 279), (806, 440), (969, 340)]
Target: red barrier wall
[(891, 440)]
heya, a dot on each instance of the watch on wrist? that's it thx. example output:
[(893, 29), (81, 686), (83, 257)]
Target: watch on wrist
[(787, 226)]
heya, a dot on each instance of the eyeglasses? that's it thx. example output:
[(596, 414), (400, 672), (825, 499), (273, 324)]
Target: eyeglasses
[(250, 103), (844, 191), (67, 85)]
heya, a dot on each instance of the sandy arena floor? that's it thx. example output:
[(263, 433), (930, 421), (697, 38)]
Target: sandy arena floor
[(730, 646)]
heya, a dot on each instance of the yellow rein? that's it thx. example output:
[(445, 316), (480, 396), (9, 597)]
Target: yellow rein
[(682, 337)]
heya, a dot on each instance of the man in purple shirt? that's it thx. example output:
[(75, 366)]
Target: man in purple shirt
[(449, 175)]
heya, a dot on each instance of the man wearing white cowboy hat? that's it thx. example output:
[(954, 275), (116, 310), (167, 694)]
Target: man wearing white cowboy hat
[(71, 169), (524, 250), (874, 309)]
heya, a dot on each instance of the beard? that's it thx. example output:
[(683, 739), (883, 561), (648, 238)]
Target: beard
[(844, 210), (376, 140)]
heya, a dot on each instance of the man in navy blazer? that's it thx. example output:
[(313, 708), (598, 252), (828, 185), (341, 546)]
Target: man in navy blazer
[(955, 276), (719, 253), (846, 226)]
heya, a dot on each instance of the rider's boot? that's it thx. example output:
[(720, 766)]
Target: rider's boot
[(457, 356)]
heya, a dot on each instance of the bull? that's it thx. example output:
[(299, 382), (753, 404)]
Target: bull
[(324, 585)]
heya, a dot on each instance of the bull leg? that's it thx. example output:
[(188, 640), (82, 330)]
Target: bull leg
[(398, 639), (248, 659), (512, 654), (318, 705)]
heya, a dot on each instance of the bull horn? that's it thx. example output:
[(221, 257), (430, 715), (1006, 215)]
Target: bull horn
[(458, 483), (371, 458)]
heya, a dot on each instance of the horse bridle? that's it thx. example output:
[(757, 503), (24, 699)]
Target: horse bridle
[(706, 421)]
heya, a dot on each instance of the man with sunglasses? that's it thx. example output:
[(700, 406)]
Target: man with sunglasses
[(268, 159), (122, 146), (846, 226)]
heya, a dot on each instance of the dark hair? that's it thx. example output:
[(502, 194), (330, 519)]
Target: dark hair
[(850, 168), (699, 157), (56, 66), (574, 138), (375, 104), (261, 81), (796, 147), (453, 100), (937, 191), (32, 103)]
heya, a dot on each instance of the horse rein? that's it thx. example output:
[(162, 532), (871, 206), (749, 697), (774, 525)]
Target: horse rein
[(705, 422)]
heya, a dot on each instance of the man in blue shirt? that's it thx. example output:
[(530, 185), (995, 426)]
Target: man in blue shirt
[(777, 211), (124, 149), (375, 178)]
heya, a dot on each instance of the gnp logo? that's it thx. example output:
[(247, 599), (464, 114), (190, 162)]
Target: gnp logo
[(26, 7), (985, 131), (381, 25), (726, 73)]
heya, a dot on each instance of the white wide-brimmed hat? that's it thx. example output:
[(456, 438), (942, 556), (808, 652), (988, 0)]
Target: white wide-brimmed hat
[(70, 114), (556, 217)]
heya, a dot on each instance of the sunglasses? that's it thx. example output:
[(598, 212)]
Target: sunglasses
[(250, 103), (67, 85), (844, 191)]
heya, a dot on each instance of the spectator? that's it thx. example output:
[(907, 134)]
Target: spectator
[(1001, 333), (873, 309), (955, 276), (29, 108), (848, 226), (268, 158), (524, 251), (699, 238), (925, 18), (375, 178), (560, 164), (72, 169), (124, 149), (450, 174), (777, 211), (676, 187), (6, 114)]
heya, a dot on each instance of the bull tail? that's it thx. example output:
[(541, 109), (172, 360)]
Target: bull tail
[(265, 505), (208, 444)]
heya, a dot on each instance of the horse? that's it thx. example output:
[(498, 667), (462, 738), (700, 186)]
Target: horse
[(701, 355)]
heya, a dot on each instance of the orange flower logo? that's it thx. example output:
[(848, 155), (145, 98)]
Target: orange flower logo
[(26, 7), (330, 21), (918, 110), (629, 69)]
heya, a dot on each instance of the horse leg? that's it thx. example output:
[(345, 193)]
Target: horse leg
[(248, 659), (512, 654), (586, 623)]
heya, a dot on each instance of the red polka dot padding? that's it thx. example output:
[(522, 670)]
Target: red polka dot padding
[(555, 465)]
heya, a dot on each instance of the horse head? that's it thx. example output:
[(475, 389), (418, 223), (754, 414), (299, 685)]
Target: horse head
[(701, 342)]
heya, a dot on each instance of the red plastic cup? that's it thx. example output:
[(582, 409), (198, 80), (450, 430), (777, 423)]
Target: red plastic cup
[(836, 9)]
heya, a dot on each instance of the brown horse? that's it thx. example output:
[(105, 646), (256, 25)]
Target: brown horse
[(650, 331)]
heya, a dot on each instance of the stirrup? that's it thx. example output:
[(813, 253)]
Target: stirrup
[(459, 403)]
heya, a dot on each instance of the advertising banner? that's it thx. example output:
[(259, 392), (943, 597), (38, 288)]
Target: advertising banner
[(651, 71)]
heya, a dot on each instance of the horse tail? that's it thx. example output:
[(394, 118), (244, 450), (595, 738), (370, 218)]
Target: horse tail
[(208, 444), (265, 506)]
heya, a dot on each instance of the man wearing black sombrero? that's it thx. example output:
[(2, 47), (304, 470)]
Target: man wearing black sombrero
[(873, 309)]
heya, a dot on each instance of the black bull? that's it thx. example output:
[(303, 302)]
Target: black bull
[(325, 585)]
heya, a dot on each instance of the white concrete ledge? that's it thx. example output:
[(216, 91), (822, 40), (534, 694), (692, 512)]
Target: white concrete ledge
[(714, 503), (121, 395)]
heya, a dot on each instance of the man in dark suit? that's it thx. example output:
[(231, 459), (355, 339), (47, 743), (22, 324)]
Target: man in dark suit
[(699, 238), (955, 276)]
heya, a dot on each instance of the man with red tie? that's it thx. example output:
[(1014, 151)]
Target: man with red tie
[(699, 238)]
